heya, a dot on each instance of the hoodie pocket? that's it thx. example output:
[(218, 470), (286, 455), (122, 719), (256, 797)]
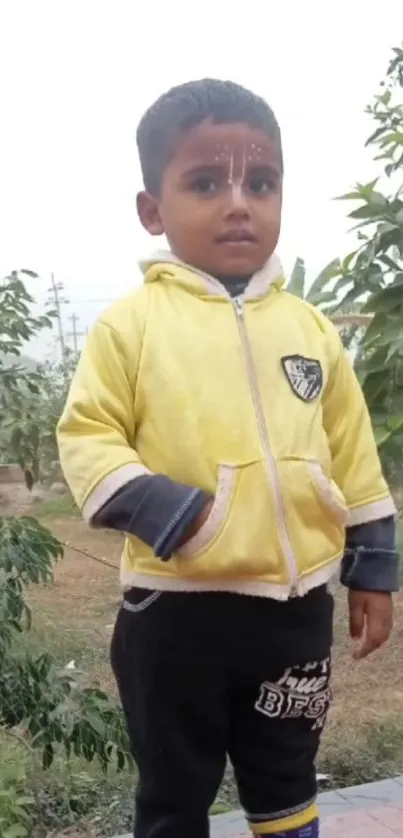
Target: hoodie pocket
[(227, 476), (315, 511), (328, 493), (240, 536)]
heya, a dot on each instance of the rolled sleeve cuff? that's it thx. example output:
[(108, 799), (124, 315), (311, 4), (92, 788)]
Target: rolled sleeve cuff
[(370, 569)]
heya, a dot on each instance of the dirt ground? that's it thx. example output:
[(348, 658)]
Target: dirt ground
[(86, 595), (15, 499), (75, 617)]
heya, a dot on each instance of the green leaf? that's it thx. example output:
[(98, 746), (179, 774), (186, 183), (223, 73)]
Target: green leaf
[(366, 211), (388, 333), (341, 284), (376, 134), (47, 756), (389, 262), (395, 137), (385, 227), (376, 199), (394, 348), (321, 299), (362, 192), (366, 189), (25, 800), (346, 262), (16, 438), (16, 831), (29, 479), (97, 725), (296, 283), (381, 435), (346, 301), (384, 301), (326, 275), (31, 274), (373, 385), (349, 196), (395, 422)]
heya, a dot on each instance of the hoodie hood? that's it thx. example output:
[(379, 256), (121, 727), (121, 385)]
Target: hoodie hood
[(163, 264)]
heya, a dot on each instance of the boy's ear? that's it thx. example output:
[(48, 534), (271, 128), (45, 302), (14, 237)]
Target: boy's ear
[(148, 212)]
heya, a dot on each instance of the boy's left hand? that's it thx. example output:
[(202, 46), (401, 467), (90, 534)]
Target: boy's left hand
[(371, 620)]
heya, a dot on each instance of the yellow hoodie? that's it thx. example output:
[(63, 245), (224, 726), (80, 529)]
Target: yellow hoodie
[(253, 400)]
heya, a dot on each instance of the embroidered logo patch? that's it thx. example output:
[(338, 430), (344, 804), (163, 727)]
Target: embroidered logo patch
[(304, 376)]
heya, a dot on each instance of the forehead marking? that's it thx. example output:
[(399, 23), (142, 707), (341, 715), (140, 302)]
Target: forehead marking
[(223, 154), (236, 183)]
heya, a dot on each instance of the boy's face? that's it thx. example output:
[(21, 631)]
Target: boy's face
[(220, 200)]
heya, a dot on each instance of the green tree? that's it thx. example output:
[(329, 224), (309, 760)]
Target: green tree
[(366, 287), (31, 395), (346, 315), (373, 274), (46, 405), (19, 430), (56, 708)]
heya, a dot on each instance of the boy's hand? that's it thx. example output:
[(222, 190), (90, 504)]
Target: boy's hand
[(371, 620), (197, 524)]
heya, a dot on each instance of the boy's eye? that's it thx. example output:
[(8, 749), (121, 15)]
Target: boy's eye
[(261, 185), (205, 185)]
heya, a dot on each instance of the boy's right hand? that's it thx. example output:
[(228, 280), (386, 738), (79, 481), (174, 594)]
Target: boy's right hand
[(197, 524)]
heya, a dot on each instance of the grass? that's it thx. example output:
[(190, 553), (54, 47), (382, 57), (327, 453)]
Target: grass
[(74, 619), (70, 796), (63, 506), (372, 753)]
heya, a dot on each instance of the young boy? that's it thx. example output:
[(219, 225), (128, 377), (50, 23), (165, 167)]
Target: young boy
[(216, 420)]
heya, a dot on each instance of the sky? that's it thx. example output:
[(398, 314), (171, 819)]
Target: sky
[(76, 76)]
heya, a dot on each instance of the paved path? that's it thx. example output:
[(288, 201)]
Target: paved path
[(370, 811), (382, 822)]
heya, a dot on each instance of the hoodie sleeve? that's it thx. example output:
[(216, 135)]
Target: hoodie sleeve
[(156, 510), (370, 561), (96, 437)]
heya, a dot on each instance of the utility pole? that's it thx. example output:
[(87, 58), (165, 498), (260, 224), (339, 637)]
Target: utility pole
[(57, 301), (75, 334)]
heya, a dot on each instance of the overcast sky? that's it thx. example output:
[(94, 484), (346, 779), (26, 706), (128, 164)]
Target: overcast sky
[(76, 75)]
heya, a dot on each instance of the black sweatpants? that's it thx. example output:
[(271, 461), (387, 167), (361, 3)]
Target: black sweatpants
[(203, 675)]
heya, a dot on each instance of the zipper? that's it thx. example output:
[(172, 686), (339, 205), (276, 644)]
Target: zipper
[(270, 462)]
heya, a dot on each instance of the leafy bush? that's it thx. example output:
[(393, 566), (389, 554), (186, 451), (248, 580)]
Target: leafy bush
[(46, 708), (368, 282), (15, 804)]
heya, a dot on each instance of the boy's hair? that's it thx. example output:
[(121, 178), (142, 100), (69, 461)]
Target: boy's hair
[(186, 106)]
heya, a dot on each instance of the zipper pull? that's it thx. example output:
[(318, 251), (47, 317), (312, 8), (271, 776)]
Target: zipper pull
[(238, 305)]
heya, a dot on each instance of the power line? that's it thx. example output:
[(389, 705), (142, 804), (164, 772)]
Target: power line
[(89, 302)]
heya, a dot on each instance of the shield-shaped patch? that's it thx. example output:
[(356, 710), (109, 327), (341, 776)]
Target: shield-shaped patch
[(304, 376)]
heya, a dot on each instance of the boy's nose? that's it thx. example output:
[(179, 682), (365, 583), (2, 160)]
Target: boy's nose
[(237, 202)]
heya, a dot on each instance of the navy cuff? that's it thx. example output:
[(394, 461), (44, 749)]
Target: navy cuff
[(370, 569), (371, 561), (171, 537), (155, 509)]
